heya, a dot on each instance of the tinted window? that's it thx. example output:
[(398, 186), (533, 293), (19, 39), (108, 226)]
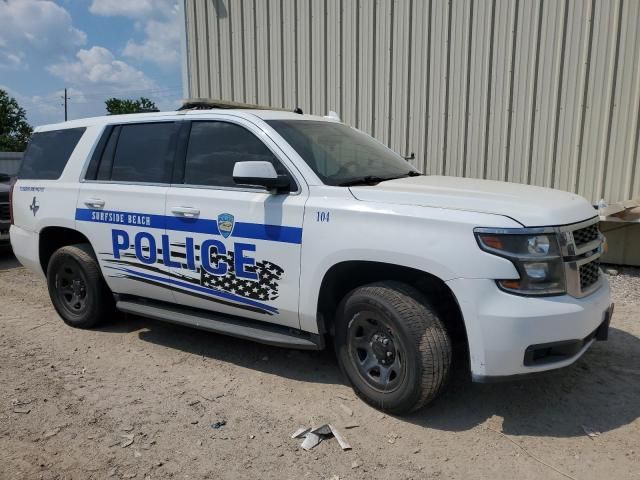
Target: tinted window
[(48, 153), (142, 153), (339, 154), (106, 160), (215, 147)]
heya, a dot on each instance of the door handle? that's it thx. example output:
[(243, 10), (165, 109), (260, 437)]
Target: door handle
[(94, 202), (188, 212)]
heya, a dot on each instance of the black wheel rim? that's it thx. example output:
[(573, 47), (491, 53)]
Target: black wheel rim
[(71, 287), (376, 351)]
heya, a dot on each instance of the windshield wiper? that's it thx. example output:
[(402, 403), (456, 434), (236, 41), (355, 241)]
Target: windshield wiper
[(366, 180), (373, 179)]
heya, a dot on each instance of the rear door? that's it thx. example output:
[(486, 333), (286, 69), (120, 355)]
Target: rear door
[(121, 206), (234, 250)]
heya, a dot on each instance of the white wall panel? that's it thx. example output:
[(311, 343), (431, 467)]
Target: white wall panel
[(545, 92), (483, 27)]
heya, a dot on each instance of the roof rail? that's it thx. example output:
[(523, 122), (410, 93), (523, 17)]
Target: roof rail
[(209, 103)]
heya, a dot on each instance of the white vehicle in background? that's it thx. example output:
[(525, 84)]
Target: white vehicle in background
[(293, 230)]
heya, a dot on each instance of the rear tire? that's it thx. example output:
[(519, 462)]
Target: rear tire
[(76, 287), (392, 346)]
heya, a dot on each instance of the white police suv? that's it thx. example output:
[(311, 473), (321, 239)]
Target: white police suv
[(293, 230)]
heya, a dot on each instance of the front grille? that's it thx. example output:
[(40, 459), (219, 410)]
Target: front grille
[(4, 212), (586, 235), (589, 274), (581, 247)]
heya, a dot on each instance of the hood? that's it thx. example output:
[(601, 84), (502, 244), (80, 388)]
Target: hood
[(530, 206)]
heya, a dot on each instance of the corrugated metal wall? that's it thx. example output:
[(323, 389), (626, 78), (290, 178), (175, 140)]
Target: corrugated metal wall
[(545, 92)]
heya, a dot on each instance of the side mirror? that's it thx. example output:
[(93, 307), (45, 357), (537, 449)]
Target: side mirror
[(261, 174), (5, 177)]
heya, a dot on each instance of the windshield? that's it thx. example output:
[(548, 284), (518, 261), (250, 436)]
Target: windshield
[(341, 155)]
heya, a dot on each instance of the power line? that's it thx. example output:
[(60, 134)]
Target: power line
[(163, 94), (132, 92), (167, 87)]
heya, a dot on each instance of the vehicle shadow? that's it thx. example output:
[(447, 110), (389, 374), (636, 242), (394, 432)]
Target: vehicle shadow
[(600, 391), (7, 259), (299, 365)]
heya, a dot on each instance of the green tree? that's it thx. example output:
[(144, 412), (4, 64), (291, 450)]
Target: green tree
[(119, 106), (15, 132)]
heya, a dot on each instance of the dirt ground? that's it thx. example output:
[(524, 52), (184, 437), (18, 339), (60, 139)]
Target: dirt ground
[(137, 399)]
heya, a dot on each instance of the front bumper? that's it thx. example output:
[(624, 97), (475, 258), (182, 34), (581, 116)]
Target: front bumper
[(508, 334)]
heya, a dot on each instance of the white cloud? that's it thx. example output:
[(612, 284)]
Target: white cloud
[(134, 9), (42, 33), (98, 67), (36, 29), (96, 75), (12, 61), (41, 109), (160, 22), (119, 7), (160, 46)]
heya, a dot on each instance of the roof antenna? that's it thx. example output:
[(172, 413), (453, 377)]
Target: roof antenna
[(298, 110)]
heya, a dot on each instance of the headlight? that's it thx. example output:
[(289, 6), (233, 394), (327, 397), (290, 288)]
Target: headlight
[(534, 252)]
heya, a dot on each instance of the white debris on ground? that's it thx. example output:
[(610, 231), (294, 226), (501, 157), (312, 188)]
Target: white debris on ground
[(313, 436), (625, 283)]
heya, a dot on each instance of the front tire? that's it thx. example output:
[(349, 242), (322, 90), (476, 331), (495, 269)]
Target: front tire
[(392, 346), (76, 287)]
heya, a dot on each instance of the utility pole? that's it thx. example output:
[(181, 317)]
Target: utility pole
[(65, 103)]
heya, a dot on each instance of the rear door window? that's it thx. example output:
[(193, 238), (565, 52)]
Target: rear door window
[(215, 147), (143, 153), (48, 153), (106, 161)]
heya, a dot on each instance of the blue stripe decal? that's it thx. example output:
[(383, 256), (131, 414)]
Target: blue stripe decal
[(256, 231), (199, 288)]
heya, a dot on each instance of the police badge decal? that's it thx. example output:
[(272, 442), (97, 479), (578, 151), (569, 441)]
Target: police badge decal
[(225, 224)]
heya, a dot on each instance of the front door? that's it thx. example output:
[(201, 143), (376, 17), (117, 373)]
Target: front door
[(234, 250)]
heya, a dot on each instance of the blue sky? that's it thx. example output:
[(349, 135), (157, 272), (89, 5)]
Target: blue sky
[(96, 48)]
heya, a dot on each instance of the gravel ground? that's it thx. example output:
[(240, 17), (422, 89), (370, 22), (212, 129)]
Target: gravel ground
[(138, 398), (625, 284)]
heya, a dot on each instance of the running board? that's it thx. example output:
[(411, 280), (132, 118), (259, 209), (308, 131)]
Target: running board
[(236, 327)]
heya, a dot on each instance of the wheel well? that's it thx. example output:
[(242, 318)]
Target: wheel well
[(53, 238), (344, 277)]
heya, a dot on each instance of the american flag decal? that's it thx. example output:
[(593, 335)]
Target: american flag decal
[(264, 288)]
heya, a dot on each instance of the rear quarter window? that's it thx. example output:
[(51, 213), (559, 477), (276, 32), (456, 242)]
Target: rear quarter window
[(48, 153)]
